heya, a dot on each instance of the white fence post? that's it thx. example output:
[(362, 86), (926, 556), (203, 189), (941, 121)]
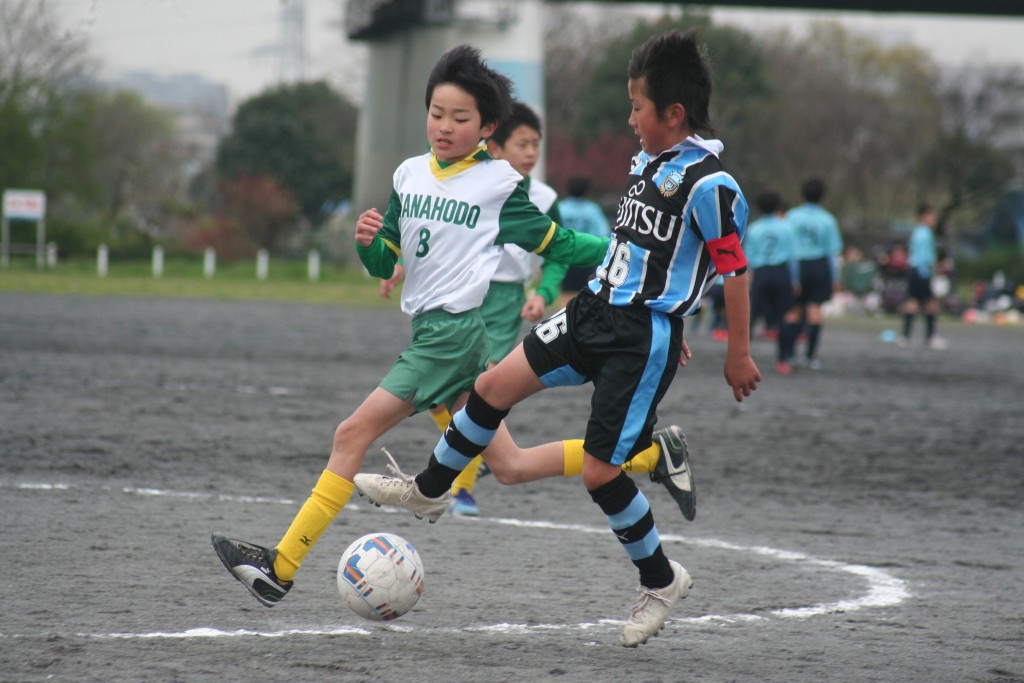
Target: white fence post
[(314, 265), (262, 264), (158, 261), (51, 255), (209, 262), (102, 260)]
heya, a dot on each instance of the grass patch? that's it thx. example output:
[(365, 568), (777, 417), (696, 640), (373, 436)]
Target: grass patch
[(182, 277)]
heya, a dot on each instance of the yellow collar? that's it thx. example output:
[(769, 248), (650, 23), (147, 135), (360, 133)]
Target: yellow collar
[(442, 170)]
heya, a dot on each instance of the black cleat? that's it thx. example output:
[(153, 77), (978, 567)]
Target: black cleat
[(673, 469), (253, 565)]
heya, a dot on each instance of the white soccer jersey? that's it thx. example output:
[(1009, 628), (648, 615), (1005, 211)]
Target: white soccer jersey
[(448, 220), (517, 264)]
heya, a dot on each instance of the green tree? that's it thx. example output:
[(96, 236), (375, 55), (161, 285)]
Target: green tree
[(41, 70), (302, 136), (600, 133)]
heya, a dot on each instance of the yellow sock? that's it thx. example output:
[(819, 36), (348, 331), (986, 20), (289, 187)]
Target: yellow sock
[(329, 496), (643, 462), (467, 477), (572, 452), (441, 418)]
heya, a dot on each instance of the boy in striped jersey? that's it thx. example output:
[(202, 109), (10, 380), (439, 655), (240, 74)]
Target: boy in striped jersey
[(517, 140), (679, 225), (450, 212)]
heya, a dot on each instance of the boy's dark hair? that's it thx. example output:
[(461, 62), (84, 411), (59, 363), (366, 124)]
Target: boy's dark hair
[(675, 68), (924, 208), (520, 115), (813, 190), (464, 67), (769, 202), (579, 186)]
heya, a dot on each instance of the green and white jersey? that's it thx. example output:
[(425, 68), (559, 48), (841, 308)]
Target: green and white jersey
[(447, 222), (517, 264)]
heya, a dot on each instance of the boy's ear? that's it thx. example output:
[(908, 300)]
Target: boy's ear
[(675, 115), (487, 130)]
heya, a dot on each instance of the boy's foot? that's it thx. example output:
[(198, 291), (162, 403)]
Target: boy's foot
[(673, 469), (253, 565), (814, 364), (652, 607), (464, 505), (401, 491), (938, 344), (783, 368)]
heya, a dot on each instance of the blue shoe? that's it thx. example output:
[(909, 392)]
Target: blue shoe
[(463, 505)]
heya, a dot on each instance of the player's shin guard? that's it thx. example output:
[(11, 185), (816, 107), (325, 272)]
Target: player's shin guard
[(328, 497), (631, 520), (469, 433)]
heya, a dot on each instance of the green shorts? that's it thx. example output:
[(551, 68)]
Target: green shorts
[(502, 313), (447, 353)]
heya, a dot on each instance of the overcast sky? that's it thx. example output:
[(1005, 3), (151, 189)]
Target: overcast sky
[(234, 41)]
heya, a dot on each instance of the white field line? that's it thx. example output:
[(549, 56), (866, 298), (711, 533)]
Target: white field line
[(883, 589)]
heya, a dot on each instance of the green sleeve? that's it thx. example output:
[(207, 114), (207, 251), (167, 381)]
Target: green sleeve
[(551, 276), (572, 248), (380, 257), (554, 213), (523, 224), (551, 273)]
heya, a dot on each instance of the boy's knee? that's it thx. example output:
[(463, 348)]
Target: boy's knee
[(506, 472)]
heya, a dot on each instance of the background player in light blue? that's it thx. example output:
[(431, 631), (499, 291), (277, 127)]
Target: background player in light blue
[(818, 246), (771, 254), (921, 259), (581, 214)]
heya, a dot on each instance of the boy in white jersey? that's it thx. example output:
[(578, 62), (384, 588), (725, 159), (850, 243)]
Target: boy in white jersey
[(449, 213), (680, 224)]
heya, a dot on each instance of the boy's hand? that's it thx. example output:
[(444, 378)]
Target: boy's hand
[(685, 354), (534, 308), (741, 374), (369, 223), (387, 285)]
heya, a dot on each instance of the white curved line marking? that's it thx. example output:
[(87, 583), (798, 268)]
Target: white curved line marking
[(884, 590)]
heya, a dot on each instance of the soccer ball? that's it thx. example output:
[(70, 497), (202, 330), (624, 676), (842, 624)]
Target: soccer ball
[(380, 576)]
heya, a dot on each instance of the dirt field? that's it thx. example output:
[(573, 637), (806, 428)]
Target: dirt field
[(861, 523)]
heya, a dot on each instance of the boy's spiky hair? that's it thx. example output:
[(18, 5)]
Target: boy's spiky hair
[(675, 68), (463, 66), (519, 115)]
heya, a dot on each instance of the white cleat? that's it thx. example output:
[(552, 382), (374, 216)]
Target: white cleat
[(652, 607), (400, 491)]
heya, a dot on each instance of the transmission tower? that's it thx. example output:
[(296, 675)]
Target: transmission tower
[(291, 48)]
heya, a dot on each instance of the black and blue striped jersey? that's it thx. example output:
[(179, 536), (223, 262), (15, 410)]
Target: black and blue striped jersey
[(678, 226)]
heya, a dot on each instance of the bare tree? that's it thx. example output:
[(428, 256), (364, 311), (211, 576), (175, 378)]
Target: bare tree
[(35, 54)]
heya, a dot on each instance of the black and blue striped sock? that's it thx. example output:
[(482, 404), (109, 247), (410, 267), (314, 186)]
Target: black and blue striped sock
[(468, 434), (631, 520)]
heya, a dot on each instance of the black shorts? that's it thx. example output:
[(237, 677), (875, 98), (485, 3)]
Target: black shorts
[(919, 287), (629, 353), (772, 292), (815, 281)]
